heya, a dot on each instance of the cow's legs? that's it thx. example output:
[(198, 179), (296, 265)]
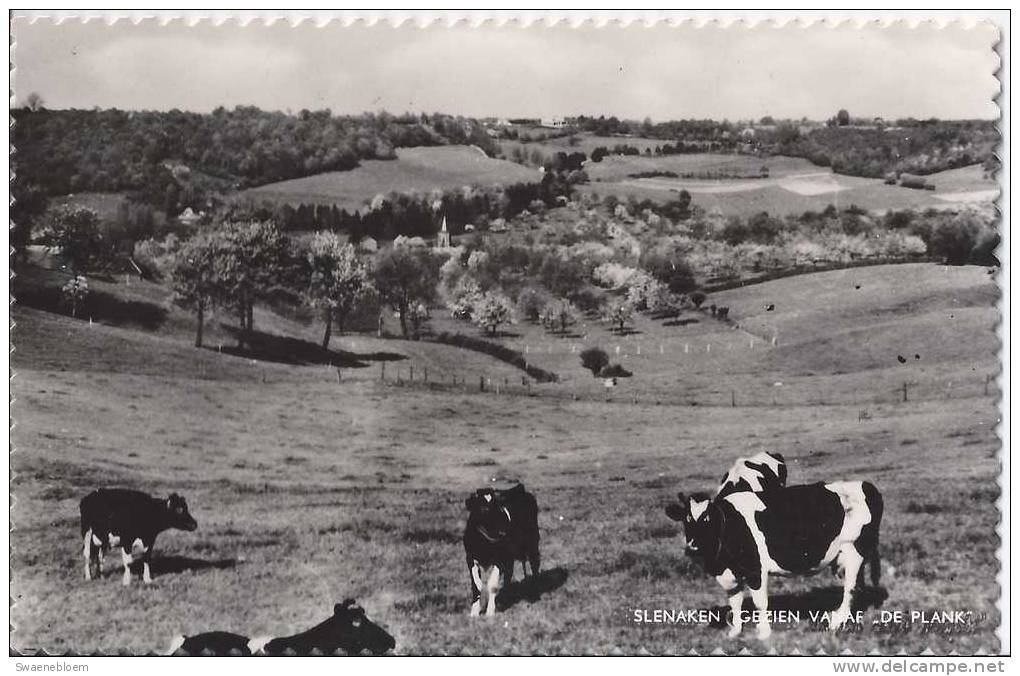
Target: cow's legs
[(728, 581), (126, 558), (476, 588), (737, 611), (850, 560), (87, 553), (534, 559), (760, 596), (492, 587), (146, 557)]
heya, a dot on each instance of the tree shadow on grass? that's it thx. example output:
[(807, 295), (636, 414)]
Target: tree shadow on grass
[(820, 600), (294, 351), (680, 322), (100, 306), (168, 565), (501, 334), (531, 589)]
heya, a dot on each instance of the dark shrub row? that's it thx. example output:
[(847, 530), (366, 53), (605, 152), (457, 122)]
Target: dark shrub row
[(501, 352)]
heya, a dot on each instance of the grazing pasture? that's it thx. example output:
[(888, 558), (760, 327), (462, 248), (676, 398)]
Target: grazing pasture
[(838, 338), (307, 491), (415, 170), (792, 187)]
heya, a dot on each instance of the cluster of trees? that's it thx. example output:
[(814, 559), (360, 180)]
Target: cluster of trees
[(924, 148), (234, 264), (412, 214), (113, 150), (237, 263)]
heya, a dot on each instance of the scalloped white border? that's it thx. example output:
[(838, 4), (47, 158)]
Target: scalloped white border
[(998, 20)]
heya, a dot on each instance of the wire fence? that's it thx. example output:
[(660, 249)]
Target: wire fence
[(807, 392)]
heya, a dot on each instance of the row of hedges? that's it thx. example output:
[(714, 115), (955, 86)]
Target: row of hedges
[(501, 352)]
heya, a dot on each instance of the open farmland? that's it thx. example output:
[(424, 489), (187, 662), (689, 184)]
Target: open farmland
[(307, 490), (417, 170), (794, 185), (838, 339)]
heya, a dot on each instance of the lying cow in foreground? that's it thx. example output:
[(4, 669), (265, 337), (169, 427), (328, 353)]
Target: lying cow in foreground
[(744, 537), (215, 644), (502, 528), (112, 517), (348, 630), (760, 472)]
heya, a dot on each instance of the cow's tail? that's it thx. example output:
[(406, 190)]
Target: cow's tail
[(870, 532)]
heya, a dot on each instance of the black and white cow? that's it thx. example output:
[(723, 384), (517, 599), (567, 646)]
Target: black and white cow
[(118, 517), (214, 643), (760, 472), (744, 537), (348, 629), (502, 528)]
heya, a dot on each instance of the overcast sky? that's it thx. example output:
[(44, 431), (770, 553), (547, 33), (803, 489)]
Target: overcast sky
[(662, 73)]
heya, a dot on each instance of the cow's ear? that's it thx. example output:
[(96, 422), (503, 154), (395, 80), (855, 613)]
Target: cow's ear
[(682, 499), (471, 502), (675, 511)]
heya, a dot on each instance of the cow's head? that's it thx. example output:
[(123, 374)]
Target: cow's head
[(179, 516), (699, 518), (488, 515)]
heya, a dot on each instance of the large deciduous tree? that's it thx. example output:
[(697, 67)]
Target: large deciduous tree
[(194, 278), (404, 278), (493, 310), (337, 280), (75, 233), (250, 266)]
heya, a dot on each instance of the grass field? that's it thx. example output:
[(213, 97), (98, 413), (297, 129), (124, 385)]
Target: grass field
[(793, 187), (415, 170), (794, 184), (307, 490)]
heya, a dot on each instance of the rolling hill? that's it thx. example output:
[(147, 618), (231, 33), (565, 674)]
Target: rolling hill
[(417, 170)]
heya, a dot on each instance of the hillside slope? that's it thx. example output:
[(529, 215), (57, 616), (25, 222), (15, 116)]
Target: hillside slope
[(418, 170)]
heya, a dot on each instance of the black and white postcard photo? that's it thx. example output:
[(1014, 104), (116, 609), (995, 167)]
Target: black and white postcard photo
[(358, 338)]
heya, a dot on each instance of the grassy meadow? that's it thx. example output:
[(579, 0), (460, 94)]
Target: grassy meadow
[(308, 490), (420, 170)]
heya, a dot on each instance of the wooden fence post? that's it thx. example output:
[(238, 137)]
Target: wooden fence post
[(338, 376), (382, 370), (904, 390), (411, 378), (481, 383)]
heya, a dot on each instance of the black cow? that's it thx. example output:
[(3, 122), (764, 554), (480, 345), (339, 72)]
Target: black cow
[(760, 472), (347, 630), (502, 527), (745, 536), (215, 643), (112, 517)]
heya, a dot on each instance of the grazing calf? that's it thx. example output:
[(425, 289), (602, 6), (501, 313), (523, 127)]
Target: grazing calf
[(502, 528), (215, 643), (112, 517), (761, 472), (744, 537), (348, 629)]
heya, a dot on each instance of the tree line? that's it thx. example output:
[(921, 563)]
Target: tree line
[(66, 151)]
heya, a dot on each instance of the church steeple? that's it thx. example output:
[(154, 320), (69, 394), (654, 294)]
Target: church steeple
[(443, 237)]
